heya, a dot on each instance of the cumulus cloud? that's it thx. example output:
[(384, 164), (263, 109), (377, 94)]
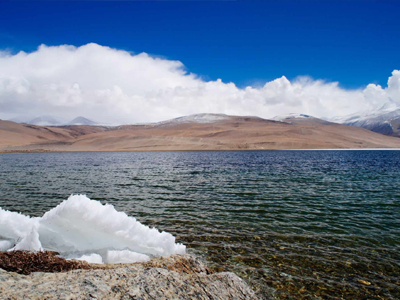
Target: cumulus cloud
[(117, 87)]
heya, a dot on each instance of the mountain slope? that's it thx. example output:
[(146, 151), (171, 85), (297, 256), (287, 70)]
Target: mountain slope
[(21, 119), (45, 121), (23, 135), (385, 120)]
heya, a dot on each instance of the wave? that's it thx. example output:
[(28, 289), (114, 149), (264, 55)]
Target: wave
[(85, 229)]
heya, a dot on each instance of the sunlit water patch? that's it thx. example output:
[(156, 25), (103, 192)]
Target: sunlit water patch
[(296, 224)]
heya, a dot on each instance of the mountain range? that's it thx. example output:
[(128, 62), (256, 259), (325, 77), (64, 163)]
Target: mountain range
[(53, 121), (195, 132), (385, 120)]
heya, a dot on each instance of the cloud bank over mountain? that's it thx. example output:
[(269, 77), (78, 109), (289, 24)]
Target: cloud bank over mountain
[(118, 87)]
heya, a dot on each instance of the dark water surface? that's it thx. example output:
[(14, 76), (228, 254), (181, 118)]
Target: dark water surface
[(296, 224)]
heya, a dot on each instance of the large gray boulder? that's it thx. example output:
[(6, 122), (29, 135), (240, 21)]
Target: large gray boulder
[(173, 277)]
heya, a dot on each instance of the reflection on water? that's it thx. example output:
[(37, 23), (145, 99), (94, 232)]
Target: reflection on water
[(296, 224)]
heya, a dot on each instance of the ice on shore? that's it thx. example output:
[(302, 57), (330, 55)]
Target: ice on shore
[(30, 242), (125, 256), (91, 258), (15, 226), (85, 229), (111, 257), (5, 245)]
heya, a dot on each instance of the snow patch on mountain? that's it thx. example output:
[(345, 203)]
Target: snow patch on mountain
[(197, 118), (291, 116)]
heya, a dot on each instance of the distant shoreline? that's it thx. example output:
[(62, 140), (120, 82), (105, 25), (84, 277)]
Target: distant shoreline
[(196, 150)]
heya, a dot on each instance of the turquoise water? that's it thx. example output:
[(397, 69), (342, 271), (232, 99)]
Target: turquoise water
[(295, 224)]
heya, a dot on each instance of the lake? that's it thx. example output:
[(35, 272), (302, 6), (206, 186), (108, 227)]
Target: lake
[(295, 224)]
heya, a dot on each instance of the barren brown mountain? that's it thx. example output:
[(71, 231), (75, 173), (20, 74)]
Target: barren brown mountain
[(198, 132)]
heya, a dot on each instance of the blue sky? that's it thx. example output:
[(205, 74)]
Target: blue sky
[(321, 58), (246, 42)]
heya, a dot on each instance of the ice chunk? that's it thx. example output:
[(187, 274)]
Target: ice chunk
[(15, 226), (81, 225), (5, 245), (125, 256), (91, 258), (30, 242)]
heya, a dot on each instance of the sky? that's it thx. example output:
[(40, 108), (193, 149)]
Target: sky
[(140, 61)]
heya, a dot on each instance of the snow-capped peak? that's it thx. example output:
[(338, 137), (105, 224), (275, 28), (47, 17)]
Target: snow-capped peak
[(377, 120), (389, 106), (386, 113), (81, 121)]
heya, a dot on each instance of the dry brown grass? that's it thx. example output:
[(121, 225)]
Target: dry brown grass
[(24, 262)]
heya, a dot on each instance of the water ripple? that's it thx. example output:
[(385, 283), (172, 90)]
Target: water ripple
[(296, 224)]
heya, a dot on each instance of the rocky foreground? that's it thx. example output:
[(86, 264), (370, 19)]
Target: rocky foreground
[(173, 277)]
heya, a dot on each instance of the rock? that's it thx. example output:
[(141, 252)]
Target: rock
[(173, 277), (364, 282)]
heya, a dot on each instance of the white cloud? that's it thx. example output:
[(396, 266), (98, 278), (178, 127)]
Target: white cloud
[(115, 86)]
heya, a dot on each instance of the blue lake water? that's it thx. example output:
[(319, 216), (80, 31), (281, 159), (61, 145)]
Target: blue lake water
[(295, 224)]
